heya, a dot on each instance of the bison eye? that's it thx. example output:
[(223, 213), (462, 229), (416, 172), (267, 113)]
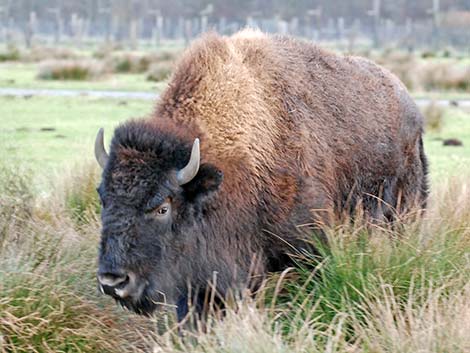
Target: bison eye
[(162, 210)]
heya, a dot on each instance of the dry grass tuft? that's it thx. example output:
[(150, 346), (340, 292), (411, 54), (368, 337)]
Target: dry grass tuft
[(160, 71), (44, 53), (439, 324), (16, 204), (48, 296), (106, 49), (433, 117), (429, 74), (448, 75), (401, 64), (131, 62), (77, 70), (11, 53), (38, 54), (80, 196)]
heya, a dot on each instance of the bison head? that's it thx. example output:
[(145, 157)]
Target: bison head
[(154, 194)]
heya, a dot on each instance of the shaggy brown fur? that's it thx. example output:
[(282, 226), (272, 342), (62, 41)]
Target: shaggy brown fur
[(302, 137), (291, 124)]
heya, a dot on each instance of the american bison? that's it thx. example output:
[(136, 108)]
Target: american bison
[(256, 143)]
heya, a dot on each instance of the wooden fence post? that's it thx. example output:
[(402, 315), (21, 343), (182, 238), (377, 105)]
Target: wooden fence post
[(30, 29), (157, 26), (106, 11), (375, 13), (59, 24), (436, 22)]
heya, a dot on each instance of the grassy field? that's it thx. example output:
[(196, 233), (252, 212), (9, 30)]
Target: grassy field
[(451, 72), (449, 161), (377, 290), (20, 75), (46, 133)]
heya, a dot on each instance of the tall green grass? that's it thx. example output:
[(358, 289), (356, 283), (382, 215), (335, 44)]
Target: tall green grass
[(358, 265), (373, 289)]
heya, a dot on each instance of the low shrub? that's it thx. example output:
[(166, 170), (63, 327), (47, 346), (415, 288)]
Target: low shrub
[(403, 65), (106, 50), (76, 70), (159, 71), (129, 63), (171, 56), (139, 62), (428, 54), (447, 53), (433, 117), (11, 53), (43, 53), (449, 75), (426, 74)]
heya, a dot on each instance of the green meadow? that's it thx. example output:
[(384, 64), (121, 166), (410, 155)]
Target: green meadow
[(49, 133), (21, 75)]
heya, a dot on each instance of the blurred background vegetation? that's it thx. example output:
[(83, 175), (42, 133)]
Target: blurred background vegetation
[(410, 23)]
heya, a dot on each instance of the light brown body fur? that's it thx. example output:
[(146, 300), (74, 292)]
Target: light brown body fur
[(302, 137)]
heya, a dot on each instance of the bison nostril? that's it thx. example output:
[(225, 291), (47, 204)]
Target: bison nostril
[(112, 279)]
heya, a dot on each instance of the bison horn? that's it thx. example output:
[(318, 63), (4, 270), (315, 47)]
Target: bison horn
[(187, 174), (100, 152)]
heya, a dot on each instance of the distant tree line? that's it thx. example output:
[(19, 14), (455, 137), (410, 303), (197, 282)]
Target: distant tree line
[(396, 10), (416, 21)]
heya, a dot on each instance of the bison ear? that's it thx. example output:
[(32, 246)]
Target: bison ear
[(206, 181)]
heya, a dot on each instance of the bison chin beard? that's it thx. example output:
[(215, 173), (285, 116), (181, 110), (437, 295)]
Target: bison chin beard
[(146, 303)]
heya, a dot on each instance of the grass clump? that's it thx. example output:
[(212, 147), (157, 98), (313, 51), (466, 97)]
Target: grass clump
[(38, 314), (433, 117), (449, 75), (105, 49), (48, 296), (160, 71), (401, 64), (81, 199), (439, 323), (129, 62), (428, 54), (426, 72), (16, 203), (73, 70), (356, 267), (41, 53), (11, 53)]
